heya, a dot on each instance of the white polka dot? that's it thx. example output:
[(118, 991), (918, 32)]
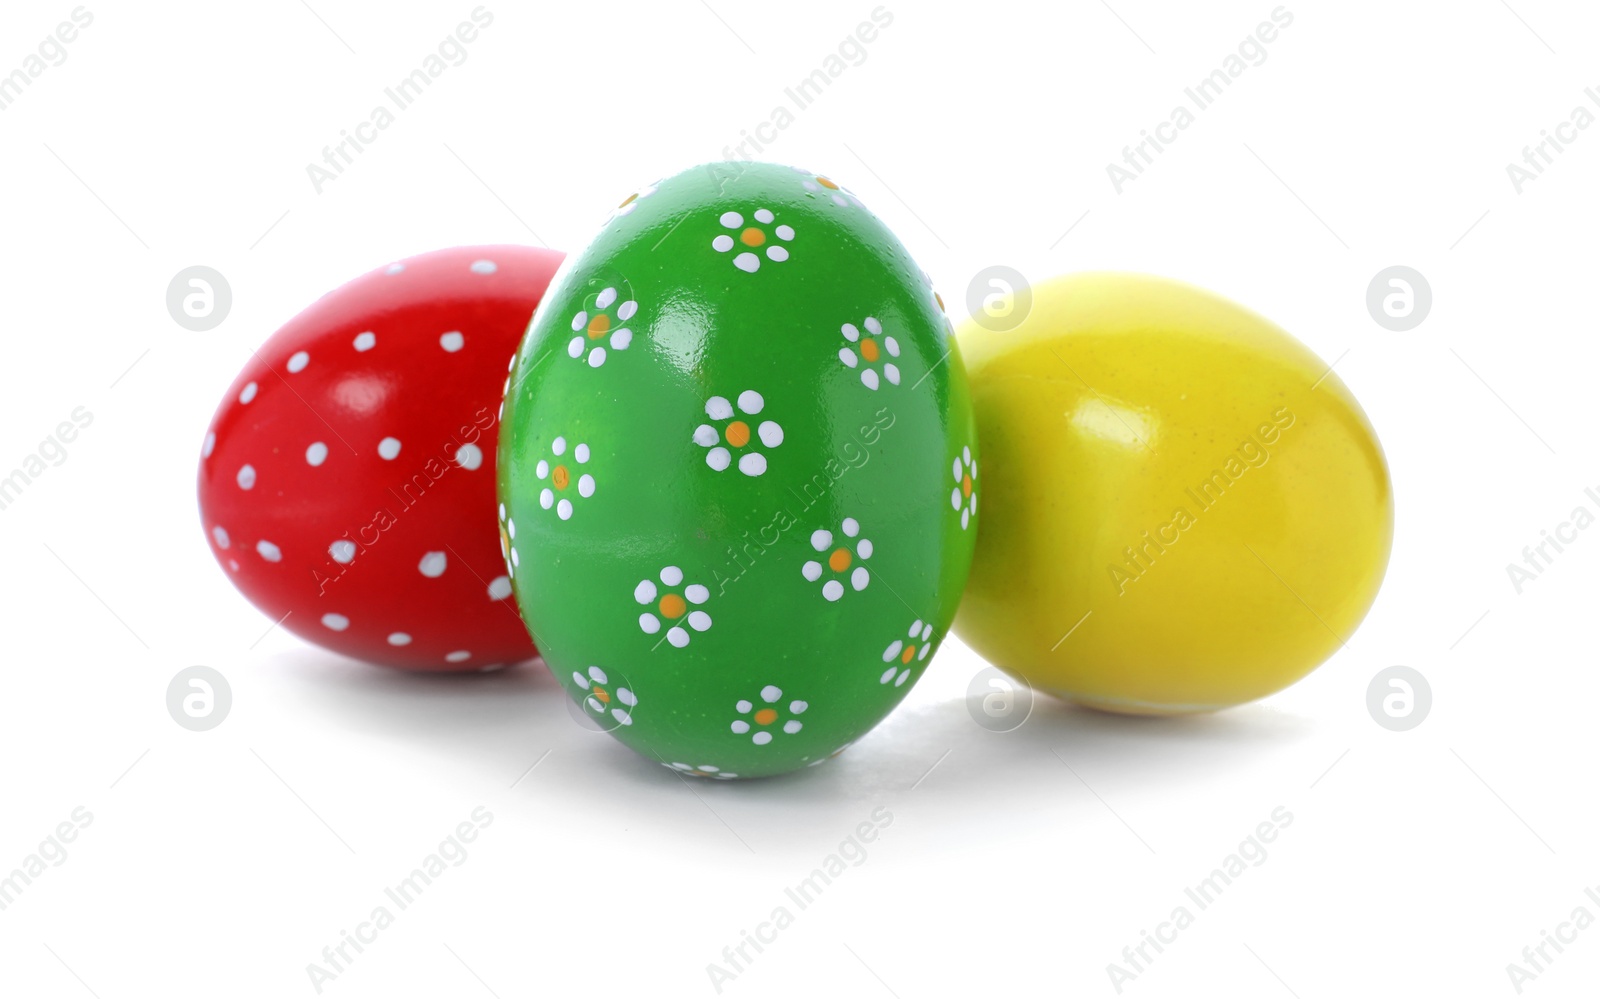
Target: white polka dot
[(731, 220), (821, 539), (888, 674), (452, 341), (705, 435), (564, 509), (901, 679), (761, 738), (316, 454), (892, 346), (750, 402), (893, 650), (873, 326), (626, 310), (696, 593), (718, 458), (860, 577), (500, 588), (547, 499), (742, 706), (850, 332), (770, 694), (622, 717), (851, 527), (869, 378), (892, 372), (469, 456), (558, 447), (927, 631), (753, 463), (605, 298), (770, 433), (246, 477), (575, 347), (645, 591), (248, 395), (718, 408), (955, 499), (678, 637), (648, 624), (627, 697), (791, 726), (621, 339), (389, 449), (579, 320), (511, 529), (433, 564), (812, 571), (298, 361), (365, 341), (832, 589), (483, 267), (542, 468), (955, 469), (209, 446), (458, 656), (777, 253), (269, 551), (399, 638), (342, 551), (740, 727), (848, 356), (699, 620), (335, 622), (581, 453), (784, 232), (672, 575), (763, 216), (749, 263), (723, 243), (864, 549), (597, 357), (585, 485), (966, 516), (220, 536)]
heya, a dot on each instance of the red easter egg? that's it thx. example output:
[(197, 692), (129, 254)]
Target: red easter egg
[(347, 483)]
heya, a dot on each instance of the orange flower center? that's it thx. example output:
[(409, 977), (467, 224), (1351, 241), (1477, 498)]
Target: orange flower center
[(825, 182), (672, 606), (766, 716), (839, 561), (869, 348), (601, 695), (966, 485), (561, 477), (599, 325), (630, 200), (936, 298), (752, 237), (738, 433), (910, 651)]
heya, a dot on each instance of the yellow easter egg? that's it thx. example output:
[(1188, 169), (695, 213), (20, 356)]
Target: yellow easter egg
[(1184, 508)]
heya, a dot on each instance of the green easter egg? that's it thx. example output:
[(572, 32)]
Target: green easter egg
[(738, 472)]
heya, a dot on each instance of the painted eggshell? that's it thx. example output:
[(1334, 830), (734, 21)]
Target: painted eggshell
[(347, 479), (739, 472)]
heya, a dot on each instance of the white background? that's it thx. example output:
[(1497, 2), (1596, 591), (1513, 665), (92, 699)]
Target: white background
[(1419, 863)]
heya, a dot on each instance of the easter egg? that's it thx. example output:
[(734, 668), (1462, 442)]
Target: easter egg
[(1184, 507), (737, 472), (347, 479)]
